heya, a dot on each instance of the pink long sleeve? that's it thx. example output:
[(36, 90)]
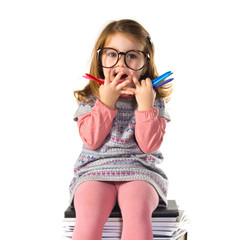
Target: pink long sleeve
[(95, 126), (149, 130)]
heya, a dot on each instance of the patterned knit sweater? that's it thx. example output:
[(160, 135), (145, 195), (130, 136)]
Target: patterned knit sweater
[(113, 145)]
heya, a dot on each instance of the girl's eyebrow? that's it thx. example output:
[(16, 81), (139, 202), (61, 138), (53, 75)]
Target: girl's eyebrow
[(111, 47)]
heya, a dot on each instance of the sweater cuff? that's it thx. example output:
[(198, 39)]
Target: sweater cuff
[(146, 115), (99, 106)]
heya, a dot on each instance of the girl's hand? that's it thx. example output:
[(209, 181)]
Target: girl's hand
[(110, 91), (144, 93)]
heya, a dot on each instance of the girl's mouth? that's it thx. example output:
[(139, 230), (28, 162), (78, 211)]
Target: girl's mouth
[(124, 76)]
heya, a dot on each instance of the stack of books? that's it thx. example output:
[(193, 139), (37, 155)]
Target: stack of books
[(168, 223)]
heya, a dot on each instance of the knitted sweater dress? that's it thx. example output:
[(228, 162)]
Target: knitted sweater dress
[(117, 151)]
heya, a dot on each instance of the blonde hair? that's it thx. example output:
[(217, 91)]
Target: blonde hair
[(135, 30)]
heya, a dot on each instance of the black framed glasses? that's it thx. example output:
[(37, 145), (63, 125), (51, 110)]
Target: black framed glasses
[(134, 59)]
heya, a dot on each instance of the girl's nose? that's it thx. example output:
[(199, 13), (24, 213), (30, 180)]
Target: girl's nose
[(121, 62)]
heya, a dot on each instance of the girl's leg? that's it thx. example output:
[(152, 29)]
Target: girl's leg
[(137, 200), (93, 203)]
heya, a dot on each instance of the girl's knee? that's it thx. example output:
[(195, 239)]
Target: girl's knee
[(139, 195)]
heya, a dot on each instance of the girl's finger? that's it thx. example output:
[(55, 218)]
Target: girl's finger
[(143, 83), (135, 81), (117, 78), (148, 82), (127, 92), (107, 77), (129, 89), (123, 84)]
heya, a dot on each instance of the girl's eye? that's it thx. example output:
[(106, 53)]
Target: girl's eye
[(132, 56), (111, 54)]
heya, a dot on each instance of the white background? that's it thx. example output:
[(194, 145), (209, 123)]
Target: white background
[(45, 49)]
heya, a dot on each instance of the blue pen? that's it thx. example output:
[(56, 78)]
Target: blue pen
[(161, 78), (162, 83)]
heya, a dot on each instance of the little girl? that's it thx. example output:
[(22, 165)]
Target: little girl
[(121, 124)]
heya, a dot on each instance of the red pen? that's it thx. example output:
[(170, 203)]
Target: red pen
[(90, 77)]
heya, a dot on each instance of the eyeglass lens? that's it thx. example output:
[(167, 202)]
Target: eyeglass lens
[(133, 59)]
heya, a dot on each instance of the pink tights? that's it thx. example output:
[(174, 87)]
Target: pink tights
[(94, 201)]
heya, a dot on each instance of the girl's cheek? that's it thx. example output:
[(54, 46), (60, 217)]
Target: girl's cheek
[(136, 74)]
